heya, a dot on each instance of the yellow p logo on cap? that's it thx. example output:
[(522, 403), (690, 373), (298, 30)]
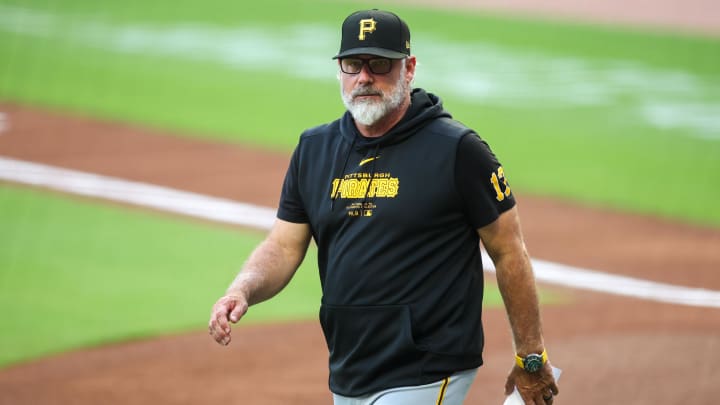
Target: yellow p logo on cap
[(367, 26)]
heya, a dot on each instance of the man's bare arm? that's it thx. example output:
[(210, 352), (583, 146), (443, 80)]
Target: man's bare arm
[(266, 272), (504, 243)]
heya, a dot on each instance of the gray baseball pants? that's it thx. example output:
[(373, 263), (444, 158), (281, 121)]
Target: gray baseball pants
[(449, 391)]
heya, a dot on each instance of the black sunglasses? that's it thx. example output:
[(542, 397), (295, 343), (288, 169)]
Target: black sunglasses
[(377, 66)]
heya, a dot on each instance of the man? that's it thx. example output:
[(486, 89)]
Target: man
[(397, 196)]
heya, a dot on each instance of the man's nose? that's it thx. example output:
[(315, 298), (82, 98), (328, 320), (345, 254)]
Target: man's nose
[(365, 75)]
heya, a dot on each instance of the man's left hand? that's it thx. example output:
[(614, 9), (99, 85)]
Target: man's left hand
[(535, 388)]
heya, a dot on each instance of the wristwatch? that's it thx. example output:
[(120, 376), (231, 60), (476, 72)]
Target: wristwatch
[(532, 363)]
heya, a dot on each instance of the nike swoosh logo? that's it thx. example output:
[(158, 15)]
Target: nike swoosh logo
[(368, 160)]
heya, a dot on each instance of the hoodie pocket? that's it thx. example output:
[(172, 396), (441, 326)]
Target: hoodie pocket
[(368, 344)]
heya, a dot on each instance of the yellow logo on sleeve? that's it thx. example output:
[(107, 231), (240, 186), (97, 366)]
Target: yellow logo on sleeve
[(500, 184)]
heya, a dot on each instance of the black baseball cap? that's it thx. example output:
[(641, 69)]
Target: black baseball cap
[(374, 32)]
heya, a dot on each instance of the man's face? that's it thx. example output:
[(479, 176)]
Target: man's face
[(370, 96)]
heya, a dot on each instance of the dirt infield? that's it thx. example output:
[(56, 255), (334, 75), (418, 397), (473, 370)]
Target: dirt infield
[(612, 349)]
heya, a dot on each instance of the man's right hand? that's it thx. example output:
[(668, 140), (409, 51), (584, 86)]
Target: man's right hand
[(229, 308)]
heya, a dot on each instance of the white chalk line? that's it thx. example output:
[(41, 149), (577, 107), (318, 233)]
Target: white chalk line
[(136, 193), (237, 213)]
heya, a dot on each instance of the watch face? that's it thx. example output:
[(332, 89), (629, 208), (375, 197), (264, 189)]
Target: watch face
[(533, 363)]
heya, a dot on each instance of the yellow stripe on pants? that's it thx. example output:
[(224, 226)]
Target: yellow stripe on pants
[(441, 394)]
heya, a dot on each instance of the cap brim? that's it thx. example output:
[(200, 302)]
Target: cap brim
[(385, 53)]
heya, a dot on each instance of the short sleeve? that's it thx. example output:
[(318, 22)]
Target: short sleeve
[(291, 207), (481, 182)]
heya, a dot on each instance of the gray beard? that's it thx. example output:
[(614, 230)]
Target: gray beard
[(369, 112)]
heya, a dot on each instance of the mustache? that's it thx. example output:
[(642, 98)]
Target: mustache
[(366, 91)]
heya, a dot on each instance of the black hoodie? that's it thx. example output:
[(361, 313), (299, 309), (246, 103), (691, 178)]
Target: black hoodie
[(395, 220)]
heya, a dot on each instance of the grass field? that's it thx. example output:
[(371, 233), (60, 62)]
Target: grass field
[(76, 273), (605, 116)]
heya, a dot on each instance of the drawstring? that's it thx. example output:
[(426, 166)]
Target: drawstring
[(334, 194)]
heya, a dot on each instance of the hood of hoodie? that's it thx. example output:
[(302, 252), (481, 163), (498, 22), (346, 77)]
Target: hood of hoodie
[(424, 107)]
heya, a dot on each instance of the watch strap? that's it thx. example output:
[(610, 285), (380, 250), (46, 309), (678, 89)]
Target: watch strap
[(521, 361)]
